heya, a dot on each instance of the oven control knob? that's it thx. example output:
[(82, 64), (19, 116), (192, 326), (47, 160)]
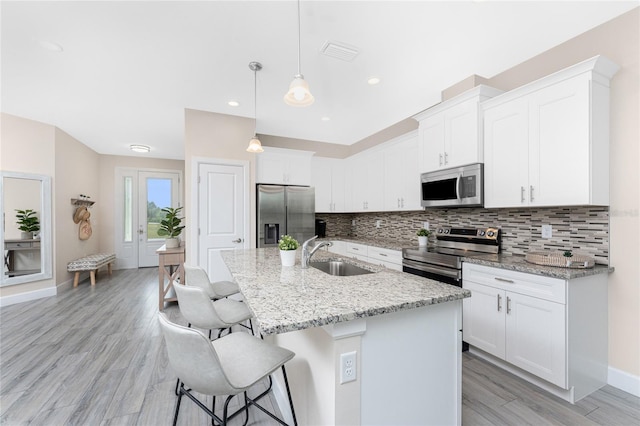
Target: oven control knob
[(491, 234), (446, 231), (482, 233), (440, 231)]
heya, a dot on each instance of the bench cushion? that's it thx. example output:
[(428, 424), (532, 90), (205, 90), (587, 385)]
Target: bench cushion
[(91, 262)]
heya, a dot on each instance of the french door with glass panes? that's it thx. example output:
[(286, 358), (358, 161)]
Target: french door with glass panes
[(141, 196)]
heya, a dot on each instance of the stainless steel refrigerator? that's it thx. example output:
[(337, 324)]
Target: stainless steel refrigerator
[(284, 210)]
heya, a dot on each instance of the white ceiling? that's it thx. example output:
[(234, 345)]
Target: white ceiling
[(129, 69)]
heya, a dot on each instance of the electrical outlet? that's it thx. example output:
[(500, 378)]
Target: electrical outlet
[(425, 225), (348, 368), (353, 222), (547, 231), (378, 223)]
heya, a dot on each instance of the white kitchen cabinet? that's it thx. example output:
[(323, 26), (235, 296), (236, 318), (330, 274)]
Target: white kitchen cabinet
[(284, 167), (451, 132), (402, 173), (327, 177), (338, 247), (366, 181), (358, 251), (388, 258), (538, 325), (547, 143)]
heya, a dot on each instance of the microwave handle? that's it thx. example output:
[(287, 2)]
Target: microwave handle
[(458, 186)]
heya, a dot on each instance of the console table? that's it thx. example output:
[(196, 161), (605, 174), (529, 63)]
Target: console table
[(171, 268), (11, 246)]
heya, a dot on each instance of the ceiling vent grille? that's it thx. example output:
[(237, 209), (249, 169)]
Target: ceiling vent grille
[(339, 51)]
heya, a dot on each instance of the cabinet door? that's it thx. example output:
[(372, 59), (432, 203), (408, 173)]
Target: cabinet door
[(358, 172), (535, 336), (506, 156), (298, 170), (432, 143), (461, 142), (559, 144), (338, 185), (483, 318), (394, 177), (270, 168), (411, 169), (321, 181), (374, 186)]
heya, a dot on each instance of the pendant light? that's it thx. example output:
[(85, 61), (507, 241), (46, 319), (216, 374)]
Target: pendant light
[(298, 94), (254, 144)]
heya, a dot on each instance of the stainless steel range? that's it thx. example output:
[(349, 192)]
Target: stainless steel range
[(443, 261)]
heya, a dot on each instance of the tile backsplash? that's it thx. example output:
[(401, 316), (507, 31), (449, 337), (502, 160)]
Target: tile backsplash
[(582, 229)]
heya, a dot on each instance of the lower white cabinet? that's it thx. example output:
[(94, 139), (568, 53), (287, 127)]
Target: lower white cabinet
[(338, 247), (391, 259), (551, 328)]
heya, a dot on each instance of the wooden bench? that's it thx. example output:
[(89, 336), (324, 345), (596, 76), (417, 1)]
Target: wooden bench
[(90, 263)]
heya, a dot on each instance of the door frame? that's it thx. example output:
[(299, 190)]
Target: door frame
[(193, 218), (118, 223)]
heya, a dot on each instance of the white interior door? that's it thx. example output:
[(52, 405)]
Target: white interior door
[(222, 215), (135, 223)]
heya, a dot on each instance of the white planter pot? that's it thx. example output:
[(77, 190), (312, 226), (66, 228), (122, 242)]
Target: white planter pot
[(288, 257), (26, 235), (172, 243), (422, 241)]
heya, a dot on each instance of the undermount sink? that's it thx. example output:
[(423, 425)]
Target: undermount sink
[(339, 268)]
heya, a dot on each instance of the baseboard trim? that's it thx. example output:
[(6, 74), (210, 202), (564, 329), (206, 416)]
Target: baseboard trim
[(624, 381), (28, 296)]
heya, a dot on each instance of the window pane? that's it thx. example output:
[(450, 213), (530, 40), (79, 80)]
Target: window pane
[(128, 209), (158, 197)]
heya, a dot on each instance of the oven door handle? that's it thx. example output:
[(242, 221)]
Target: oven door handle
[(458, 186), (451, 273)]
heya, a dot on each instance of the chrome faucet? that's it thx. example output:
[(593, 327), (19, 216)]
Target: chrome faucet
[(306, 254)]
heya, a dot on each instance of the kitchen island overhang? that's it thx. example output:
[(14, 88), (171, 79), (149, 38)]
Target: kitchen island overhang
[(405, 330)]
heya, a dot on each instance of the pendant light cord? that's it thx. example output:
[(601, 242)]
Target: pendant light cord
[(255, 102), (299, 73)]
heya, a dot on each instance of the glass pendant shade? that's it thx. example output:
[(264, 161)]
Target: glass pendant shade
[(254, 145), (299, 94)]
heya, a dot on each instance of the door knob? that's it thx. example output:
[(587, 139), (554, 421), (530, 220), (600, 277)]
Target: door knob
[(239, 240)]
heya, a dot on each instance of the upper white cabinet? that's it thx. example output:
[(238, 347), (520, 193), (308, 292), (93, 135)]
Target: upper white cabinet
[(402, 173), (365, 181), (451, 132), (327, 176), (284, 167), (547, 143)]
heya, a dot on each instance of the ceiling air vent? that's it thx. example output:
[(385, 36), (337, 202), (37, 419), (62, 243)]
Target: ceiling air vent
[(339, 51)]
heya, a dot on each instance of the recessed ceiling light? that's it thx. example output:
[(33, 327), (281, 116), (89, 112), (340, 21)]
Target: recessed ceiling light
[(325, 118), (233, 103), (373, 81), (139, 148), (51, 46)]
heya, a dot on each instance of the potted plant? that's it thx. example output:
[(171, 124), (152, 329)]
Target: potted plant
[(288, 246), (28, 223), (423, 235), (170, 227)]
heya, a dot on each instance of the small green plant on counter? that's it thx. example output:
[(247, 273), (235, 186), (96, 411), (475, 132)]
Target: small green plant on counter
[(567, 253), (170, 226), (287, 242), (423, 232), (27, 221)]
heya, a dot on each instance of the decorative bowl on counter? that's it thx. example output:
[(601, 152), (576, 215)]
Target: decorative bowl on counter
[(560, 260)]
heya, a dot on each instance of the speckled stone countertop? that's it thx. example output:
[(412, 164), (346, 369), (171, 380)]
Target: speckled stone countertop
[(376, 242), (286, 299), (517, 263)]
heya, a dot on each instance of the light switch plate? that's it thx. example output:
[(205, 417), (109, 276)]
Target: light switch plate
[(547, 231), (425, 225)]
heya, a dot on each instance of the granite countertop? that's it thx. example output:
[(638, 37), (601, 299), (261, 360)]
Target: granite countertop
[(517, 263), (285, 299), (391, 244)]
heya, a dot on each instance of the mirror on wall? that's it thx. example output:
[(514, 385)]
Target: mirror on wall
[(25, 202)]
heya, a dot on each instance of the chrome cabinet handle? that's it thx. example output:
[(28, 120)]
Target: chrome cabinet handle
[(446, 158), (440, 162), (522, 194), (508, 305), (402, 202), (531, 193), (504, 280), (382, 254), (499, 300), (239, 240)]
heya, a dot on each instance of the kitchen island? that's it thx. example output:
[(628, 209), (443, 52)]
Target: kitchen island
[(404, 330)]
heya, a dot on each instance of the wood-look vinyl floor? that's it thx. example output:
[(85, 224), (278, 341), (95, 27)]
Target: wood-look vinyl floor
[(95, 356)]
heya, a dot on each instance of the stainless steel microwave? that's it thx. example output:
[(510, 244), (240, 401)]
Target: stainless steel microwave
[(456, 187)]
